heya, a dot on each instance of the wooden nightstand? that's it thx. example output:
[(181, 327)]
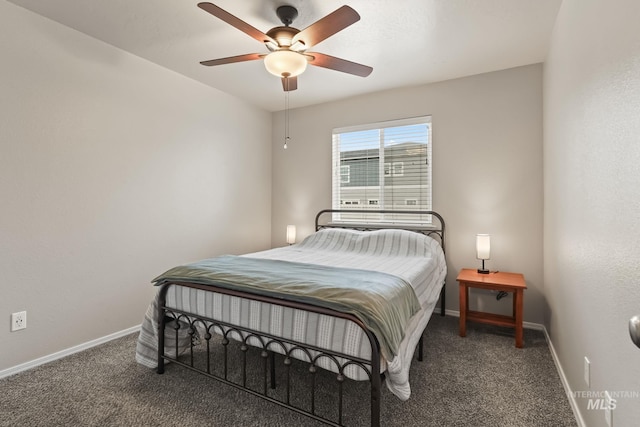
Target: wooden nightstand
[(507, 282)]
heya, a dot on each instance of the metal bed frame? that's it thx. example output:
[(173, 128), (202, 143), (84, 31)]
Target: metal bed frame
[(204, 329)]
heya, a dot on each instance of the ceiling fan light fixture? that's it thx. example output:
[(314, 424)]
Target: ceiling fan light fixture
[(285, 63), (288, 45)]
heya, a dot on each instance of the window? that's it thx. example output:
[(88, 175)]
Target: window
[(397, 169), (387, 164), (345, 174)]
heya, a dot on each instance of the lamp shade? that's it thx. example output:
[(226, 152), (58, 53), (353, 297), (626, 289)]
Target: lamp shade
[(483, 246), (291, 234), (285, 63)]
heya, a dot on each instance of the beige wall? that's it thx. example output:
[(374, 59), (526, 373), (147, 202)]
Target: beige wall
[(487, 170), (112, 170), (592, 198)]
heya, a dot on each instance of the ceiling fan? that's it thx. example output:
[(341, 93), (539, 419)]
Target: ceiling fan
[(288, 56)]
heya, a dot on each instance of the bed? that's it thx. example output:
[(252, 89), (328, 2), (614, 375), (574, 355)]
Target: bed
[(350, 299)]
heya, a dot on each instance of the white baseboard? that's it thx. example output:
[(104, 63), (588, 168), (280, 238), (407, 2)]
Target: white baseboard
[(565, 382), (60, 354), (448, 312)]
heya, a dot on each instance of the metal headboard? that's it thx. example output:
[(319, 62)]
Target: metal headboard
[(430, 230)]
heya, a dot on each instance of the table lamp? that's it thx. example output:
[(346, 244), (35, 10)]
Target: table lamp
[(483, 250), (291, 234)]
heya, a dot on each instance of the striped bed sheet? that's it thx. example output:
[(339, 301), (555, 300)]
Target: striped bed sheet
[(416, 258)]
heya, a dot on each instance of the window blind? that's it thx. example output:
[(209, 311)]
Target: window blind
[(383, 166)]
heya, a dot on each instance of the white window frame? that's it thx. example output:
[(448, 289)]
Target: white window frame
[(388, 169)]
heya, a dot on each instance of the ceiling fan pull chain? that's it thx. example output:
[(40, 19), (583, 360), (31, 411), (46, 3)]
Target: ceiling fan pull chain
[(286, 119)]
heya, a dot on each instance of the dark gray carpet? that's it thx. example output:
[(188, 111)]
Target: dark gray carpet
[(480, 380)]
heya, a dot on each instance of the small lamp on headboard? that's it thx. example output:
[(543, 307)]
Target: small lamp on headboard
[(291, 234), (483, 250)]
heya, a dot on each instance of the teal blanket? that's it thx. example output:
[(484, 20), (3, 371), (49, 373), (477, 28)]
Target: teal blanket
[(383, 302)]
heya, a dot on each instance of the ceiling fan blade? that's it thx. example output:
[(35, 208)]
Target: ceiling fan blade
[(326, 27), (235, 22), (232, 59), (333, 63), (289, 83)]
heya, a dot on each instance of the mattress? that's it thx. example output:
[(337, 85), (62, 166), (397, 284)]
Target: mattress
[(416, 258)]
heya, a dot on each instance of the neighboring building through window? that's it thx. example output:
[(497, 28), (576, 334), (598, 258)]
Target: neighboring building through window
[(388, 165)]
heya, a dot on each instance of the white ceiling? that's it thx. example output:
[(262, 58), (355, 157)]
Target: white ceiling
[(407, 42)]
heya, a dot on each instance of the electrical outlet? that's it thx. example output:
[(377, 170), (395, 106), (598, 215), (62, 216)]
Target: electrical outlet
[(609, 406), (18, 321), (587, 368)]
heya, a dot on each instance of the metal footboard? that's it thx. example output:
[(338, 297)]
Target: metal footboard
[(203, 330)]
